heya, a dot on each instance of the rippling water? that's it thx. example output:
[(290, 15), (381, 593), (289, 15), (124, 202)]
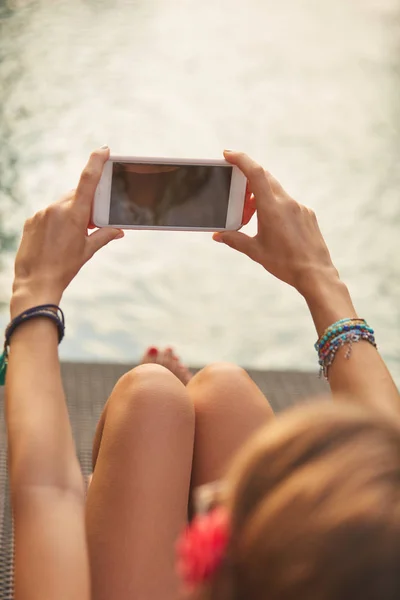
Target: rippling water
[(309, 87)]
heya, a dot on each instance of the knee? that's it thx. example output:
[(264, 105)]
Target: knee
[(151, 389), (144, 402), (217, 385), (220, 375), (146, 375)]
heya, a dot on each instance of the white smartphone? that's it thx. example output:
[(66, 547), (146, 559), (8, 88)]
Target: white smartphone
[(169, 193)]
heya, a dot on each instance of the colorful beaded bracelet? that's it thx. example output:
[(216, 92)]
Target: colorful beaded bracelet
[(344, 332), (337, 328)]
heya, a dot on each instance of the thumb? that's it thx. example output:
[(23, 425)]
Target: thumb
[(101, 238), (236, 240)]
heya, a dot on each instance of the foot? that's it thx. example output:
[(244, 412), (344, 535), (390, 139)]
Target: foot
[(168, 359)]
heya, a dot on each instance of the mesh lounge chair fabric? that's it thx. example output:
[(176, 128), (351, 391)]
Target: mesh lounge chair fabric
[(87, 387)]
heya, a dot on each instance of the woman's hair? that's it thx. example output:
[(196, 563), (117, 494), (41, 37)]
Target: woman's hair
[(316, 510)]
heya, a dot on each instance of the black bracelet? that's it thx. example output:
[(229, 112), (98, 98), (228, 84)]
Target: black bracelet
[(49, 311)]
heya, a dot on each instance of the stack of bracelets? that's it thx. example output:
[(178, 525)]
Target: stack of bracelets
[(48, 311), (341, 333)]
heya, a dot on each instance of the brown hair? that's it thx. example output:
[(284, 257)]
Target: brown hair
[(316, 510)]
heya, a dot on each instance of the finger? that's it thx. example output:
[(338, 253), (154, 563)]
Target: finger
[(249, 191), (64, 200), (101, 238), (276, 186), (68, 197), (249, 209), (236, 240), (248, 194), (256, 175), (90, 178)]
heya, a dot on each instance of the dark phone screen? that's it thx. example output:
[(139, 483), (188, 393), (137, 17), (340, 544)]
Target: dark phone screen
[(169, 195)]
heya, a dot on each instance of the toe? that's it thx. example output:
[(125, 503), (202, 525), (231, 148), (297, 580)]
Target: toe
[(172, 359), (184, 374), (151, 355), (168, 359)]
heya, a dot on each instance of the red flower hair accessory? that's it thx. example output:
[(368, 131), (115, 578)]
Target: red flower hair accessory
[(202, 546)]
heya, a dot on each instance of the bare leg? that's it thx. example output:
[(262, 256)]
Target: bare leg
[(137, 500), (166, 358), (229, 408)]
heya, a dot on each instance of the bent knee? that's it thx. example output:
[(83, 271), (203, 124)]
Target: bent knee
[(224, 387), (147, 374), (150, 387), (221, 374)]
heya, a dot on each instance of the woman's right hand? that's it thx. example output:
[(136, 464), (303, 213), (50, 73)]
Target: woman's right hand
[(55, 243), (288, 242)]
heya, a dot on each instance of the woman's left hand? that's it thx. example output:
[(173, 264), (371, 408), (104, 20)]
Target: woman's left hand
[(56, 244)]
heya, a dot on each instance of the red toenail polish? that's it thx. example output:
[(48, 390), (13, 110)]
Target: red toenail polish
[(153, 351)]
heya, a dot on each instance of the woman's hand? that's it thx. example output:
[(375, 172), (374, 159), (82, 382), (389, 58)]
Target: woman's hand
[(55, 242), (290, 245), (288, 242)]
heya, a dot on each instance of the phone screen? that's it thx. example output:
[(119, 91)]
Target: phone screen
[(169, 195)]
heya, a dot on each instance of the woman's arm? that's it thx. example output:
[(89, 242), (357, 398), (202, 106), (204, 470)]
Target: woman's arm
[(289, 245), (363, 377), (47, 488), (46, 483)]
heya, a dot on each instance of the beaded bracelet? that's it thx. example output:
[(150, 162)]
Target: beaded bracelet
[(321, 349), (337, 328), (49, 311), (341, 322), (344, 332)]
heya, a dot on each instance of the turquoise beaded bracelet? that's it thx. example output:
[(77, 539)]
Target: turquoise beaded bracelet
[(337, 328), (344, 332)]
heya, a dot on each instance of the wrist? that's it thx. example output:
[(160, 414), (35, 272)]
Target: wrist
[(27, 296), (328, 300), (312, 280)]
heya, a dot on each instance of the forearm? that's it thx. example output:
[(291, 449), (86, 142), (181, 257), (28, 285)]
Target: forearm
[(363, 377), (41, 446), (51, 557), (46, 483)]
